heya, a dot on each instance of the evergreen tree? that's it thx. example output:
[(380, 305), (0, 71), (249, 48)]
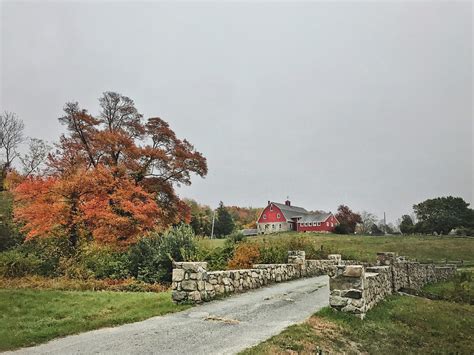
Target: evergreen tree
[(224, 224)]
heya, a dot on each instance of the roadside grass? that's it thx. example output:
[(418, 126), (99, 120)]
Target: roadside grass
[(364, 248), (398, 325), (68, 284), (458, 289), (29, 317)]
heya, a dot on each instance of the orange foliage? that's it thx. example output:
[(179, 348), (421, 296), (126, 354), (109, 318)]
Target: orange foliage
[(12, 180), (112, 210), (111, 177), (245, 255), (244, 217)]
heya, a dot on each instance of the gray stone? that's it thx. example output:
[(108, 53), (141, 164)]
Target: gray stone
[(352, 309), (178, 275), (188, 285), (353, 271), (357, 294), (337, 301), (195, 296), (178, 296)]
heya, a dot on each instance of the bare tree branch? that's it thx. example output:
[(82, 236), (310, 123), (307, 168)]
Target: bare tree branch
[(38, 151), (11, 135)]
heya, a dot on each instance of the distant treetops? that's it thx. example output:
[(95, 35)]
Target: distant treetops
[(440, 215), (111, 177)]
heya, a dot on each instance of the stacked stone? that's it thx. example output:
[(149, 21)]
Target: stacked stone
[(296, 257), (357, 289), (444, 273), (320, 267), (386, 258), (347, 290), (189, 282), (336, 258), (279, 272), (378, 284), (192, 282)]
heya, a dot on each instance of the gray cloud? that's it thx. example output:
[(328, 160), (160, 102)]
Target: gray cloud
[(368, 104)]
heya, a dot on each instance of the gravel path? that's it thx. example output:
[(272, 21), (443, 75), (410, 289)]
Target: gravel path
[(225, 326)]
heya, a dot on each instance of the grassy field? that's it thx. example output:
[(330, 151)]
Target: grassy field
[(398, 325), (364, 248), (29, 317)]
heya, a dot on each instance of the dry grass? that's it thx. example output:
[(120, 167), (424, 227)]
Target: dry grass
[(67, 284), (399, 325)]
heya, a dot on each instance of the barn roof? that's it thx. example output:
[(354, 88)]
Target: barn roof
[(315, 217), (291, 211)]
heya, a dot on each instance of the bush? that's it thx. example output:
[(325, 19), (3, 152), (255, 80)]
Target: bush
[(245, 255), (236, 237), (14, 263), (50, 251), (103, 263), (216, 258), (463, 231), (152, 256), (10, 235), (272, 253), (341, 229)]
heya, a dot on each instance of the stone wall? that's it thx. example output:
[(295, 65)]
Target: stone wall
[(357, 288), (192, 283)]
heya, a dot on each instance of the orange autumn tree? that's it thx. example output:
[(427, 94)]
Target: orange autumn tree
[(111, 178)]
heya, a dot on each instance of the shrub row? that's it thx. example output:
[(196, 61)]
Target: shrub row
[(270, 251), (149, 260)]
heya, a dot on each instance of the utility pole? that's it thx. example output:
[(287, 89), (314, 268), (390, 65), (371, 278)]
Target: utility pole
[(213, 220), (384, 224)]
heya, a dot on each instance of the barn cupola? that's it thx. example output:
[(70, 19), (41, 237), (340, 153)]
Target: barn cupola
[(288, 203)]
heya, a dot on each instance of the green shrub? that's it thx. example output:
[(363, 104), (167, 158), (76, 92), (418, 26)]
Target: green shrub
[(50, 251), (10, 235), (236, 237), (152, 256), (272, 253), (341, 229), (104, 263), (276, 251), (216, 258), (14, 263), (463, 231)]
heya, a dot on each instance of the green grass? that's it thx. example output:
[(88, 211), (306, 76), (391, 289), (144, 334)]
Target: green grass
[(29, 317), (458, 289), (364, 248), (398, 325)]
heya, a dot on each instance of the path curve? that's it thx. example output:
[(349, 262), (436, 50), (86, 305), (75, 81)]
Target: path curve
[(225, 326)]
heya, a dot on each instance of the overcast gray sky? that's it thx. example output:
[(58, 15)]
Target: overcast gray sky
[(363, 103)]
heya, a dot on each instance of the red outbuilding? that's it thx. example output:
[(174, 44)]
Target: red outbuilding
[(279, 217)]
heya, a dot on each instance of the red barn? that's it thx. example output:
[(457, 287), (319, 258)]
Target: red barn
[(278, 217)]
